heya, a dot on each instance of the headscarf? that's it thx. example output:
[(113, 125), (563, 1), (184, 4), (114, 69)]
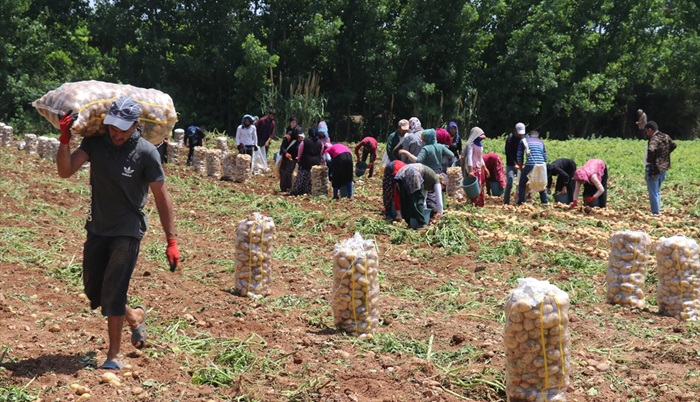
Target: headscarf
[(443, 137), (474, 133), (248, 117), (323, 127), (429, 137), (411, 176), (414, 125), (581, 175), (452, 123)]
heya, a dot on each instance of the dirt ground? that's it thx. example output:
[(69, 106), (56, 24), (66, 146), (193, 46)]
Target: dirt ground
[(52, 339)]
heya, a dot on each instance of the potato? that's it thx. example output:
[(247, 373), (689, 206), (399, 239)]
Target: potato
[(678, 266), (253, 270)]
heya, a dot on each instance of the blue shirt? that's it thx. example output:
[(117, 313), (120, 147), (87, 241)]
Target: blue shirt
[(538, 154)]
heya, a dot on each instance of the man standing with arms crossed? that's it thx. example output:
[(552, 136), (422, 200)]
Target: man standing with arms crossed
[(123, 166)]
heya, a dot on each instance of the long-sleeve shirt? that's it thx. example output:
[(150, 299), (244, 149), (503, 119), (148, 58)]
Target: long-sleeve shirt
[(494, 164), (246, 135), (391, 143), (265, 129), (659, 150), (564, 170), (512, 143), (537, 154), (367, 143), (336, 149)]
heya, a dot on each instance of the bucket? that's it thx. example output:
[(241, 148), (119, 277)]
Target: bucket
[(561, 198), (426, 214), (496, 189), (471, 186), (595, 203), (360, 168)]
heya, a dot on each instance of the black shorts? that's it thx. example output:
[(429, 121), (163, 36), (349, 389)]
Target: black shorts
[(108, 263)]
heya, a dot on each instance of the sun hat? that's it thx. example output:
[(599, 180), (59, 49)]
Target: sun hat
[(403, 124), (123, 113)]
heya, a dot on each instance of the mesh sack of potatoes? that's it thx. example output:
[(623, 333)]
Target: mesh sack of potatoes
[(228, 166), (7, 136), (222, 143), (42, 141), (214, 163), (32, 143), (199, 160), (356, 287), (241, 172), (253, 268), (454, 182), (678, 267), (179, 136), (52, 149), (319, 180), (92, 99), (537, 342), (173, 150), (627, 268)]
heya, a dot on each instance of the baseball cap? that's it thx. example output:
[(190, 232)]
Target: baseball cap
[(123, 113), (403, 124), (520, 128)]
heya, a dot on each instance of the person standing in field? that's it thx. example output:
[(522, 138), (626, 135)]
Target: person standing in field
[(340, 170), (455, 140), (593, 176), (534, 153), (309, 155), (494, 168), (511, 150), (265, 129), (193, 138), (246, 136), (641, 122), (393, 143), (123, 167), (657, 161), (472, 161), (289, 149), (564, 169), (368, 146)]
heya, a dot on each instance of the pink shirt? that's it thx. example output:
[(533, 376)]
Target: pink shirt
[(592, 167), (336, 149)]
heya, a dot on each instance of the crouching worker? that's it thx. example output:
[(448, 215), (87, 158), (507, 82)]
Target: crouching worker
[(390, 193), (123, 166), (412, 180), (340, 170), (593, 176)]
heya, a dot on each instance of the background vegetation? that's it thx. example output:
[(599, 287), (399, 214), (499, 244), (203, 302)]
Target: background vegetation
[(569, 68)]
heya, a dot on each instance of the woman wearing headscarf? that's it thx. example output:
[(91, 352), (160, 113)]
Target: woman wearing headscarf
[(412, 180), (593, 176), (246, 135), (456, 141), (390, 193), (309, 155), (340, 170), (288, 154), (472, 161)]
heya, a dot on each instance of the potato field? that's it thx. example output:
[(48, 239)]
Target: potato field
[(441, 302)]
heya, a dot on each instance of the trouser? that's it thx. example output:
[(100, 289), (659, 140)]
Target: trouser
[(344, 191), (412, 205), (364, 158), (654, 187), (589, 189), (190, 155), (247, 149), (511, 172), (523, 184)]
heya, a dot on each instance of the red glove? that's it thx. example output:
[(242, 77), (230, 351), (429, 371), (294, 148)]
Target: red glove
[(589, 199), (573, 204), (65, 123), (173, 254), (289, 156)]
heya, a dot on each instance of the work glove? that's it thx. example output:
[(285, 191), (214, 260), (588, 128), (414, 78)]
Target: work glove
[(589, 199), (289, 156), (173, 254), (65, 124), (573, 205)]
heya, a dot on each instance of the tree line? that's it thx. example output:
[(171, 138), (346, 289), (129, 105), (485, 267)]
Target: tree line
[(568, 68)]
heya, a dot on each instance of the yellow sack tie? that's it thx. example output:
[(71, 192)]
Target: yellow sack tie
[(561, 345), (352, 293), (544, 349)]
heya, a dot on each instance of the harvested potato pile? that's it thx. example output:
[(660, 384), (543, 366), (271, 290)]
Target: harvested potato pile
[(214, 163), (356, 287), (31, 143), (178, 136), (42, 141), (254, 241), (229, 166), (222, 143), (319, 180), (627, 268), (678, 267), (173, 150), (92, 99), (242, 171), (7, 135), (454, 182), (199, 160), (537, 342)]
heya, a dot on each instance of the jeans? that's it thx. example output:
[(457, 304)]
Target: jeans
[(345, 191), (511, 172), (523, 182), (654, 188)]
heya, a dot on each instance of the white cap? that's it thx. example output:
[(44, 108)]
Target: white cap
[(520, 128)]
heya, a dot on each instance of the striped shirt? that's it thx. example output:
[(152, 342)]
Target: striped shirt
[(537, 155)]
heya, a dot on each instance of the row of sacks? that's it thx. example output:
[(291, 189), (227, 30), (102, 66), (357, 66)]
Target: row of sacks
[(677, 266)]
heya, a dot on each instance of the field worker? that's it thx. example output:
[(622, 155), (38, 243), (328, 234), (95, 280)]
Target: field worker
[(531, 152), (511, 150), (414, 125), (472, 161), (340, 170), (123, 166), (289, 149), (193, 138), (657, 161), (594, 178), (564, 169), (494, 168), (412, 142), (395, 140), (310, 155), (390, 193), (368, 146), (641, 122), (323, 135), (455, 140), (246, 136), (412, 180), (265, 129)]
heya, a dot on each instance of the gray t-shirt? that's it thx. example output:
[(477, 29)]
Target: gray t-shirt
[(119, 179)]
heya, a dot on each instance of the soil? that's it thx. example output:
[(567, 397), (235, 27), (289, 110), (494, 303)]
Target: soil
[(52, 339)]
